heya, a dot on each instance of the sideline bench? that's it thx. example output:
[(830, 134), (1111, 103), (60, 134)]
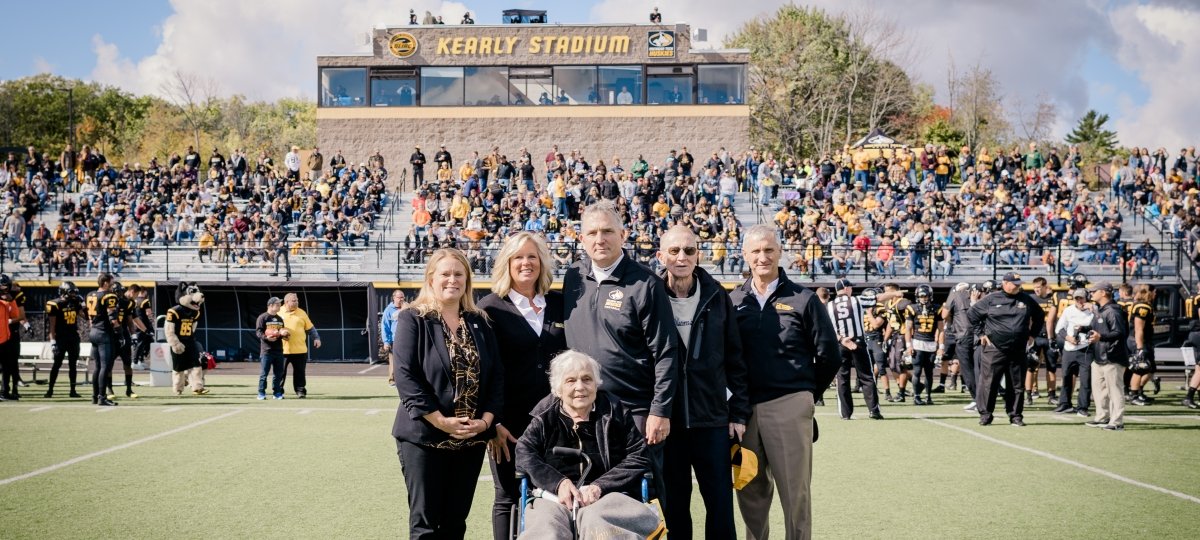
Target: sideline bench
[(38, 355)]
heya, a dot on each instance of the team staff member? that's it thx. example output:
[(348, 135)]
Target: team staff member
[(387, 328), (1141, 343), (450, 382), (527, 318), (1072, 326), (11, 350), (924, 342), (710, 361), (8, 366), (103, 311), (63, 329), (295, 345), (271, 333), (1045, 345), (960, 334), (847, 314), (1007, 320), (792, 354), (1110, 329), (617, 311)]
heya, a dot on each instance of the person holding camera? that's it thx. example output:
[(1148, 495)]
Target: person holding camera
[(1072, 328)]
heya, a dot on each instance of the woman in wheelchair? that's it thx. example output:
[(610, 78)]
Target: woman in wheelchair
[(571, 500)]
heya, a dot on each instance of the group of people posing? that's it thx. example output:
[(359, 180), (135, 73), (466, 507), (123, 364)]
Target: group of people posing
[(662, 374)]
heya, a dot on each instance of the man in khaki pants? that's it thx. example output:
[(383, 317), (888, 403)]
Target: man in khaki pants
[(792, 354), (1110, 328)]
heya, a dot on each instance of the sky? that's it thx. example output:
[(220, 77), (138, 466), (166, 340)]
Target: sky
[(1134, 60)]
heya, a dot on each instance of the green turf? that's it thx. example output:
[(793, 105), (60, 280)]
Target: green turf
[(326, 467)]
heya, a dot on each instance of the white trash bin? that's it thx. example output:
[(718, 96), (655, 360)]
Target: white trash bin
[(160, 364)]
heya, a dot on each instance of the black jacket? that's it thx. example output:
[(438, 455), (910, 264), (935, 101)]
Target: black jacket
[(622, 448), (421, 367), (626, 324), (1007, 320), (525, 355), (790, 345), (712, 362), (1113, 326)]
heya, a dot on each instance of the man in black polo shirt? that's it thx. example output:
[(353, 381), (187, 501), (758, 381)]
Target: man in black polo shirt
[(792, 354)]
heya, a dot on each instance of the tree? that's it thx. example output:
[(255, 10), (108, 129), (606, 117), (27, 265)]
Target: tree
[(976, 106), (195, 96), (1036, 121), (1090, 132)]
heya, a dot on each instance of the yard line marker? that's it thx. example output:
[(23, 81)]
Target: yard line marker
[(119, 447), (171, 409), (1070, 462), (40, 409), (373, 412), (1136, 419), (364, 372), (304, 411)]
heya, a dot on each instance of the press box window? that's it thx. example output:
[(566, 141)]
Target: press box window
[(620, 85), (442, 86), (394, 88), (343, 87), (669, 85), (576, 85), (487, 86), (722, 84), (531, 86)]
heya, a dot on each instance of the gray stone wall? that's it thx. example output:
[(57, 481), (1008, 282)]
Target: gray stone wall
[(598, 138)]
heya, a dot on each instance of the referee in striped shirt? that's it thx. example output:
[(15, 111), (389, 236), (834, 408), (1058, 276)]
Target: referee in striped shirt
[(846, 311)]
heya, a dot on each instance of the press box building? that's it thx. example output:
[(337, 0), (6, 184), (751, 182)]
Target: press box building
[(607, 90)]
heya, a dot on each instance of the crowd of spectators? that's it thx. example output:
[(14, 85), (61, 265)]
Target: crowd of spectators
[(80, 214), (888, 212)]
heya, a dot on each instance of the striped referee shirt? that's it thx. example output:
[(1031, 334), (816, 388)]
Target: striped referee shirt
[(847, 315)]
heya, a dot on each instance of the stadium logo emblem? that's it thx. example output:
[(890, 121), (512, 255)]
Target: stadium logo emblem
[(662, 44), (402, 45)]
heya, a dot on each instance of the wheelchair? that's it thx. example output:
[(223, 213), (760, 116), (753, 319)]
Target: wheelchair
[(517, 519)]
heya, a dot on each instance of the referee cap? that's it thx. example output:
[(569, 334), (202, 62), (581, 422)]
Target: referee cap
[(842, 284)]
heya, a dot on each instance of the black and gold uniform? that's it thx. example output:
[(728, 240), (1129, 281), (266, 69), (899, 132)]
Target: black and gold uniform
[(1145, 313), (62, 317), (143, 311), (1044, 344), (186, 321), (103, 308), (874, 335), (925, 318), (122, 348), (896, 313)]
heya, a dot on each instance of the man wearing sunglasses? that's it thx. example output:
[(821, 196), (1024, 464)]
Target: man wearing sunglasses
[(709, 360)]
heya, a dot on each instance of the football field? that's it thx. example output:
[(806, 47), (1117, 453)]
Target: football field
[(228, 466)]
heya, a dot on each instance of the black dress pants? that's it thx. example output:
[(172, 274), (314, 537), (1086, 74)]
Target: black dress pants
[(705, 450), (964, 352), (861, 362), (996, 362), (441, 484)]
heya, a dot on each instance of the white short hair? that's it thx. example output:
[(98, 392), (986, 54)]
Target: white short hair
[(570, 362)]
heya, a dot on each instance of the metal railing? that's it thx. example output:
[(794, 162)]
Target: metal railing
[(318, 260)]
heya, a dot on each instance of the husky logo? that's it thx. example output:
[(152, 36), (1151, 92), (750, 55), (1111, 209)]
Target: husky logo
[(661, 44), (616, 295)]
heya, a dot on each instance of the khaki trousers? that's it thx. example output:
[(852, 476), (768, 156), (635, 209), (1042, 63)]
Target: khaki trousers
[(193, 376), (780, 433), (1108, 391)]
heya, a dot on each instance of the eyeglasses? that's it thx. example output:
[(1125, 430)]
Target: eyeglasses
[(689, 251)]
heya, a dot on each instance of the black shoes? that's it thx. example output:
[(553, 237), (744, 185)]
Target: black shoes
[(1190, 404), (105, 402), (302, 393), (918, 401), (1114, 427), (49, 394), (940, 389), (986, 420), (74, 394), (1063, 408), (1157, 382), (876, 415), (1017, 421)]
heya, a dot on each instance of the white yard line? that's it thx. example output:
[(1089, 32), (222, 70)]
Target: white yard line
[(40, 409), (1060, 459), (119, 447), (365, 371)]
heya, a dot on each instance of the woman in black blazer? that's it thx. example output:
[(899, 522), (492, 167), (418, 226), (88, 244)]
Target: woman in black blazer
[(528, 320), (450, 381)]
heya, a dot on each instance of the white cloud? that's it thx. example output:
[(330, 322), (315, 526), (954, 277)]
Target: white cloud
[(263, 50), (41, 65), (1160, 44)]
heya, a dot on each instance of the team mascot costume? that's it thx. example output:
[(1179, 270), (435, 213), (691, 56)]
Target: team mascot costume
[(181, 326)]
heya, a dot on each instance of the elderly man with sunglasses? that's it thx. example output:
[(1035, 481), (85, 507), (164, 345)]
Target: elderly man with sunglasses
[(709, 360)]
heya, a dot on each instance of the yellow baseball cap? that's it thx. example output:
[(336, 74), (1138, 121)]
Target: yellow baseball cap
[(745, 465)]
